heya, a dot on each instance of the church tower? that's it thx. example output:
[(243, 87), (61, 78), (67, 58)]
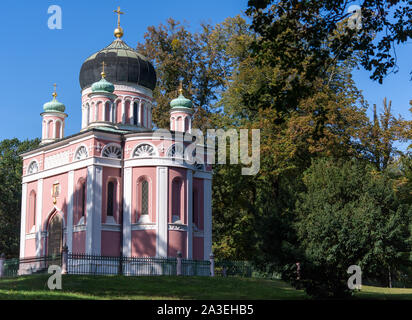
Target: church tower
[(53, 117), (181, 113)]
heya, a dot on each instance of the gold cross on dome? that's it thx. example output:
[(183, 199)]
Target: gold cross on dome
[(103, 73), (54, 92), (118, 15), (181, 87)]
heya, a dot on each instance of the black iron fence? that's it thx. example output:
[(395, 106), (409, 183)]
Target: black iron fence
[(85, 264), (131, 266), (30, 265)]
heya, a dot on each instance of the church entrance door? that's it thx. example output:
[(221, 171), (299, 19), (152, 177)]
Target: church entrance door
[(55, 238)]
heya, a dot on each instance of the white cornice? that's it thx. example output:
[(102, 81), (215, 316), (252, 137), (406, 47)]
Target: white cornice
[(70, 141), (133, 88), (106, 162)]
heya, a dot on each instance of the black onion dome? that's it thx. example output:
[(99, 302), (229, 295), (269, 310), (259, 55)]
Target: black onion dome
[(122, 64)]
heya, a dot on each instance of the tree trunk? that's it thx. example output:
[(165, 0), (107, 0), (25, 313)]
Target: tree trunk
[(390, 278)]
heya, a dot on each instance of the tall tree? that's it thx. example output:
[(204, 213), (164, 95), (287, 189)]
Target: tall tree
[(303, 39), (11, 169), (349, 215), (383, 132), (202, 60)]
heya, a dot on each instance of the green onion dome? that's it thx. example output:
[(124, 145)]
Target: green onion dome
[(181, 102), (103, 86), (54, 105)]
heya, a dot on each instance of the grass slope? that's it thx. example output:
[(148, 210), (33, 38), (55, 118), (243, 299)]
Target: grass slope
[(381, 293), (121, 287)]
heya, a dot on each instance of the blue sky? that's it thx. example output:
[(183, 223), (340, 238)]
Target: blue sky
[(34, 57)]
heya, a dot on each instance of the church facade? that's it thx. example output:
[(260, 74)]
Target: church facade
[(115, 188)]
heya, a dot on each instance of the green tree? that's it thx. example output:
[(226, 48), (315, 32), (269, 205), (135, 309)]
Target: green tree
[(349, 215), (383, 132), (11, 169), (202, 60)]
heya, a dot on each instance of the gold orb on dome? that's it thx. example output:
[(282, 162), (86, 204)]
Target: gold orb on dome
[(118, 32)]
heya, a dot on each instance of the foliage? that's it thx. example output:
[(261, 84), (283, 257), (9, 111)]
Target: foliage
[(202, 60), (349, 215), (11, 169), (382, 133), (293, 34)]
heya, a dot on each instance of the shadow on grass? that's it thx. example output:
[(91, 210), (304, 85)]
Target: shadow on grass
[(155, 287)]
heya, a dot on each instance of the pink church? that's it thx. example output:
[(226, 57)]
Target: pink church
[(114, 188)]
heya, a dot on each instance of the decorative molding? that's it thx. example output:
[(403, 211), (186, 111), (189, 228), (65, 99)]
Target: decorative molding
[(74, 139), (110, 227), (81, 153), (79, 228), (33, 167), (177, 227), (105, 162), (31, 236), (144, 150), (57, 159), (176, 150), (112, 150), (144, 226)]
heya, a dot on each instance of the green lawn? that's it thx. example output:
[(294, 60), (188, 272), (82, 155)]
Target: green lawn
[(121, 287), (381, 293)]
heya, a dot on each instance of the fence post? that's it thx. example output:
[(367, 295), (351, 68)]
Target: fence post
[(65, 251), (2, 265), (212, 265), (179, 264)]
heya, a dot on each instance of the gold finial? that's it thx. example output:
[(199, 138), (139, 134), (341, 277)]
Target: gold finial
[(118, 32), (103, 73), (54, 92), (180, 87)]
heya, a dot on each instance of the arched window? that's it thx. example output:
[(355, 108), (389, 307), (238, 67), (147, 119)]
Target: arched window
[(32, 210), (119, 111), (176, 150), (135, 115), (83, 202), (33, 167), (50, 129), (87, 115), (110, 198), (57, 128), (98, 111), (145, 197), (114, 112), (186, 128), (142, 115), (107, 112), (127, 111), (81, 153), (176, 200), (144, 150), (142, 214), (112, 151), (195, 203)]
